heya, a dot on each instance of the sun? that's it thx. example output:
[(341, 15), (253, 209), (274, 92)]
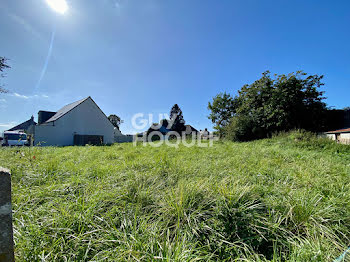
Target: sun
[(60, 6)]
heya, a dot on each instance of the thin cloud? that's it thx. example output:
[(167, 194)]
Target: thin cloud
[(28, 97), (8, 125), (20, 96)]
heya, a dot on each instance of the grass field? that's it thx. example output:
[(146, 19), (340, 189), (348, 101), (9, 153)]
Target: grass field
[(279, 199)]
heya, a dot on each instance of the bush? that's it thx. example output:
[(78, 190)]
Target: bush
[(242, 128)]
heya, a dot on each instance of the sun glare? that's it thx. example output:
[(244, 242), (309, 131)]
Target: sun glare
[(60, 6)]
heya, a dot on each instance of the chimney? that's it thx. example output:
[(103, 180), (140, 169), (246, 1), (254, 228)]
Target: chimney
[(43, 116)]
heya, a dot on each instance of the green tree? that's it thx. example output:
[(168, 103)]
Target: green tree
[(3, 66), (223, 108), (273, 104), (177, 119), (115, 120)]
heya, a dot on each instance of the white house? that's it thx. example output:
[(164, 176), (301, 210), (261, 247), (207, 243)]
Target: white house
[(341, 135), (78, 123), (204, 134)]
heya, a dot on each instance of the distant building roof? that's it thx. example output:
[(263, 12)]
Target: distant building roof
[(190, 129), (64, 110), (164, 130), (344, 130), (24, 126)]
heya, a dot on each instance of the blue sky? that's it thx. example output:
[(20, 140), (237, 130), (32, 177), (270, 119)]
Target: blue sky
[(136, 56)]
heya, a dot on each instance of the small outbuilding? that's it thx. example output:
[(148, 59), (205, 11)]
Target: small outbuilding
[(79, 123), (341, 135)]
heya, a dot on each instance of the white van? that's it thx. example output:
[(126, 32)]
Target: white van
[(14, 138)]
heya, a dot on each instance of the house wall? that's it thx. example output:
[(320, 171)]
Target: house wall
[(117, 132), (345, 135), (345, 138), (123, 139), (330, 136), (85, 119), (120, 138)]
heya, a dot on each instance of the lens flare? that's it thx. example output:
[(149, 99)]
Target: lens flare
[(60, 6)]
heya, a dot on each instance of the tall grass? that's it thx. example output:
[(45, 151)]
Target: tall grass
[(280, 199)]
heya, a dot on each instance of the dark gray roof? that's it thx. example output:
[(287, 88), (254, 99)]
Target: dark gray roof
[(64, 110), (24, 126), (191, 128)]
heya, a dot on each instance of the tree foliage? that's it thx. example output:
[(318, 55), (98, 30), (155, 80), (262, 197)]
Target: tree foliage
[(223, 108), (271, 104), (176, 123), (115, 120), (3, 66), (177, 119)]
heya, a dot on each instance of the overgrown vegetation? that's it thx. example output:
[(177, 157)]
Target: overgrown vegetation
[(281, 199), (269, 105)]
